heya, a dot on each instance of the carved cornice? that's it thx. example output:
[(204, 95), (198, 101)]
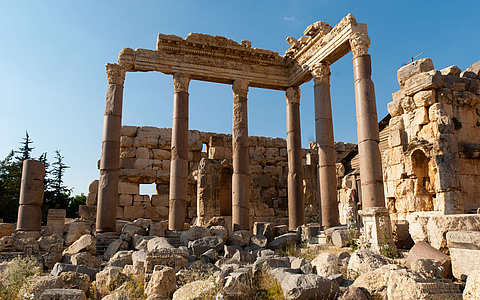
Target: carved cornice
[(115, 73), (180, 82), (321, 73), (359, 43), (292, 95), (240, 88)]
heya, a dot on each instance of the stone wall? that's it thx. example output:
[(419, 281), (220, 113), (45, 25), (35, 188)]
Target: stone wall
[(432, 163), (145, 159)]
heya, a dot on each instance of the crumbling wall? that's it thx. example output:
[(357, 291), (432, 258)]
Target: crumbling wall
[(432, 163)]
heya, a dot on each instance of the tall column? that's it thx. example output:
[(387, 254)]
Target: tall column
[(110, 157), (179, 149), (375, 216), (326, 146), (240, 177), (296, 202), (367, 124)]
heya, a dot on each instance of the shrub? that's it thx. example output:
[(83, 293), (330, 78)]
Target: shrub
[(15, 276)]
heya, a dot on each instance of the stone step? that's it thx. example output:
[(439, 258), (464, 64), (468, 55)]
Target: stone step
[(104, 240), (173, 237)]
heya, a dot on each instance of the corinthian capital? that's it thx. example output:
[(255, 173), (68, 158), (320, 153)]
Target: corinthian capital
[(180, 82), (240, 88), (292, 94), (359, 43), (115, 73), (321, 73)]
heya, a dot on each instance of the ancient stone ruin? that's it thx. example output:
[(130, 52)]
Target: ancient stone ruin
[(232, 212)]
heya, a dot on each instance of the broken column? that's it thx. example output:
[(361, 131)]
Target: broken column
[(326, 146), (55, 222), (240, 177), (296, 203), (31, 197), (179, 151), (376, 218), (110, 157)]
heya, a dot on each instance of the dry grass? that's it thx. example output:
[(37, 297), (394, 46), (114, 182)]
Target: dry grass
[(15, 276)]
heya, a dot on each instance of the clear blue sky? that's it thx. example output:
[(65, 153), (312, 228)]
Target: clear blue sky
[(53, 82)]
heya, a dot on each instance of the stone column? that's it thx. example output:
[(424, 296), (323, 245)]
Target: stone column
[(240, 177), (110, 158), (326, 146), (179, 149), (296, 202), (376, 219), (31, 197), (367, 124)]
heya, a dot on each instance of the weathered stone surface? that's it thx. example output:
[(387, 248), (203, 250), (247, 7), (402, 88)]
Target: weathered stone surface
[(325, 264), (422, 250), (270, 262), (107, 279), (376, 281), (121, 258), (283, 240), (363, 261), (194, 233), (158, 243), (473, 71), (258, 241), (199, 246), (472, 287), (356, 293), (6, 229), (174, 258), (195, 290), (75, 231), (39, 283), (438, 226), (63, 294), (51, 243), (85, 243), (464, 249), (75, 280), (51, 258), (112, 249), (163, 282), (452, 70), (416, 67), (306, 286), (59, 268), (423, 81), (240, 238), (264, 228), (219, 231)]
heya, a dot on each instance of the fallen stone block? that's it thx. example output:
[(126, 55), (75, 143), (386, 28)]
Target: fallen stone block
[(63, 294), (283, 240), (59, 268), (423, 250), (464, 249)]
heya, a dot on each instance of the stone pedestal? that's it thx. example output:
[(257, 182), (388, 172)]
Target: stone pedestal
[(55, 222), (378, 228), (240, 177), (296, 202), (179, 150), (31, 196), (110, 157), (326, 146)]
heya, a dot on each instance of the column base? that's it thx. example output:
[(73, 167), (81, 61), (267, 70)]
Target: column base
[(321, 238), (378, 230)]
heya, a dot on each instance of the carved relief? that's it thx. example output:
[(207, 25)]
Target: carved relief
[(180, 82), (292, 94), (359, 43), (115, 73), (321, 73)]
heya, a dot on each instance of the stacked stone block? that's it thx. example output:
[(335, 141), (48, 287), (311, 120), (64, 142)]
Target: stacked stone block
[(434, 142)]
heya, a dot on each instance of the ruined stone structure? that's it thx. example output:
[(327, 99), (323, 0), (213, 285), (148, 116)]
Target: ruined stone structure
[(432, 164), (217, 59)]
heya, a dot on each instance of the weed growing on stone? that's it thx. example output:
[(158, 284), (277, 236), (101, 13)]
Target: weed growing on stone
[(15, 276)]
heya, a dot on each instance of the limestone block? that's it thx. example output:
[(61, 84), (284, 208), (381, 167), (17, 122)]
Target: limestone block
[(143, 152), (133, 212), (423, 250), (438, 226), (423, 81), (92, 199), (152, 143), (93, 186), (271, 152), (55, 222), (364, 261), (397, 137), (139, 176), (472, 286), (282, 152), (148, 131), (130, 131), (395, 108), (160, 200), (416, 67), (151, 212), (86, 243), (408, 105), (465, 98), (473, 71), (140, 142), (424, 98), (127, 152), (421, 116), (128, 188), (125, 200), (325, 264), (161, 154), (195, 145), (219, 153), (166, 165), (452, 70), (396, 155), (162, 283), (63, 294), (87, 212), (141, 200), (396, 123), (464, 249), (195, 290), (126, 141)]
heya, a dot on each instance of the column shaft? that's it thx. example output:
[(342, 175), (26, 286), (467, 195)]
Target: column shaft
[(179, 158), (296, 202), (110, 157), (240, 177), (367, 131), (326, 146)]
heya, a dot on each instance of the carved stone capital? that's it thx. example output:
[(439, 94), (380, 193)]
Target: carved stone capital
[(115, 73), (180, 82), (321, 73), (240, 88), (359, 43), (292, 95)]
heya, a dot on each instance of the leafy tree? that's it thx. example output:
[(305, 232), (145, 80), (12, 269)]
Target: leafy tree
[(74, 203), (58, 195), (10, 180)]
